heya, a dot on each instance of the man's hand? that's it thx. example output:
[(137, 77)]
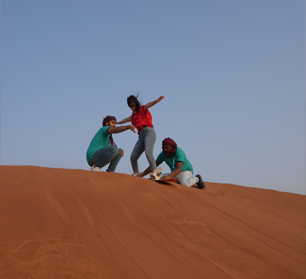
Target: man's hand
[(122, 152), (164, 178)]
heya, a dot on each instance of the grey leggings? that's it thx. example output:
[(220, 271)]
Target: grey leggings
[(146, 141)]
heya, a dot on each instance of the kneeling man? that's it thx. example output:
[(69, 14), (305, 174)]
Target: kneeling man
[(102, 149), (177, 161)]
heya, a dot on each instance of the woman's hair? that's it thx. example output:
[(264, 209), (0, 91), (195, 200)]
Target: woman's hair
[(135, 99)]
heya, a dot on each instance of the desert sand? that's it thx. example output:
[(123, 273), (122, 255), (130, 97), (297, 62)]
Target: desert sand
[(62, 223)]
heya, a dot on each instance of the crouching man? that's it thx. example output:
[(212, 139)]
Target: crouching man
[(102, 149), (178, 163)]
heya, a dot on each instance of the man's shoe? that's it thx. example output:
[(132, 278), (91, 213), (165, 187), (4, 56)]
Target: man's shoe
[(94, 168), (155, 175), (137, 174), (200, 184)]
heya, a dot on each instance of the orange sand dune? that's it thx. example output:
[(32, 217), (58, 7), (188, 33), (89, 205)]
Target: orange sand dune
[(59, 223)]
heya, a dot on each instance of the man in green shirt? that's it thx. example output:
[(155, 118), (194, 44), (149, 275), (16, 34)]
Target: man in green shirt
[(179, 165), (102, 149)]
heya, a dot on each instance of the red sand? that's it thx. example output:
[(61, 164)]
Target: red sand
[(60, 223)]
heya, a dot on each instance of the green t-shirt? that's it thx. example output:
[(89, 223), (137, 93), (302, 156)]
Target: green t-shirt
[(100, 140), (179, 156)]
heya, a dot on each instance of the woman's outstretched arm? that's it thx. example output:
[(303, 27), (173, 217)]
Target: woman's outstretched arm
[(150, 104), (125, 120)]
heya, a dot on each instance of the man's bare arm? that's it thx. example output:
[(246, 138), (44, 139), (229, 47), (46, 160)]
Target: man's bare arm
[(178, 170), (120, 129), (148, 170)]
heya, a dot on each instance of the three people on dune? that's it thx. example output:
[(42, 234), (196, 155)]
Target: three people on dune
[(103, 151)]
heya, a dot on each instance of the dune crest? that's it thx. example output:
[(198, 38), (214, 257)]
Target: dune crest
[(60, 223)]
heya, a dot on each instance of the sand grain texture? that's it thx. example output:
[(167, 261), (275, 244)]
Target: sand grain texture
[(60, 223)]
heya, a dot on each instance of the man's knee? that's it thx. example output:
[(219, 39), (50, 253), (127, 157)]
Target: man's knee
[(113, 152), (118, 152), (113, 149)]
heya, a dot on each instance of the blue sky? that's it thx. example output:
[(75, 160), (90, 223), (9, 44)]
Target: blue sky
[(232, 73)]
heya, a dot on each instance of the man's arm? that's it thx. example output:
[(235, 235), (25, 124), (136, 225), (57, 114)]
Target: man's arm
[(150, 104), (125, 120), (117, 130), (148, 170), (178, 170)]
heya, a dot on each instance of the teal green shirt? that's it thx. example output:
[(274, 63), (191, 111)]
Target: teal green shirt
[(100, 140), (179, 156)]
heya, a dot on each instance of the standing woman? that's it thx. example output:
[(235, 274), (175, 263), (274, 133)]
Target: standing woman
[(141, 118)]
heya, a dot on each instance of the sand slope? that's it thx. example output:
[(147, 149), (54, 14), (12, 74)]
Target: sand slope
[(59, 223)]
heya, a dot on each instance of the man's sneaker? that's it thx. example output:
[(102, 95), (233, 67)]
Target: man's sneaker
[(94, 168), (137, 174), (155, 175), (200, 184)]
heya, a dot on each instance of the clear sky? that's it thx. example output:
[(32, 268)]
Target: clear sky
[(232, 73)]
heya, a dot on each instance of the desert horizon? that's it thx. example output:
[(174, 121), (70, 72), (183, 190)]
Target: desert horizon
[(68, 223)]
